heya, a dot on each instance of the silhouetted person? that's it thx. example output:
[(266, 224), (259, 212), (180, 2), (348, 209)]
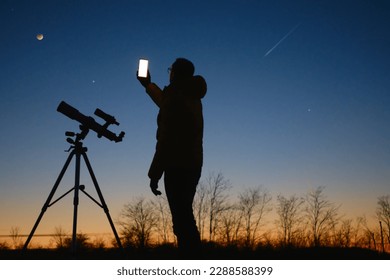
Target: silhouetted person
[(179, 149)]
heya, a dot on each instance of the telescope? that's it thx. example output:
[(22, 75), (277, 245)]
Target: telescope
[(77, 150), (88, 122)]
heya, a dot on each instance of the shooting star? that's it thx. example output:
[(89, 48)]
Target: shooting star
[(284, 38)]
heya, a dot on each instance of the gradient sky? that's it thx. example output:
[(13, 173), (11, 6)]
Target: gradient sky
[(312, 112)]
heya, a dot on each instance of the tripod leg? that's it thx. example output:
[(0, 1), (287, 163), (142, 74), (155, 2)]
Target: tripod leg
[(88, 164), (47, 203), (76, 201)]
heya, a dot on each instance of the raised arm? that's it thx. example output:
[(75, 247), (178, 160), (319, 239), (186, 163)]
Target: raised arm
[(151, 88), (155, 93)]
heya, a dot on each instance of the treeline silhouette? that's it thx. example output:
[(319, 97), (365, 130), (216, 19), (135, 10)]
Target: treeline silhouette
[(250, 221), (247, 220)]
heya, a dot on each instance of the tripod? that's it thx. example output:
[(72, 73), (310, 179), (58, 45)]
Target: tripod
[(79, 151)]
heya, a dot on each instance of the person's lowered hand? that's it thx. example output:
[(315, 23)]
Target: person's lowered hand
[(154, 187)]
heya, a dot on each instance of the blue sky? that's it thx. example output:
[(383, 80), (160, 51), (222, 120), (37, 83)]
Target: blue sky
[(313, 112)]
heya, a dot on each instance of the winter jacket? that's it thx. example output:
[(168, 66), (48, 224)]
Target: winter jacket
[(180, 125)]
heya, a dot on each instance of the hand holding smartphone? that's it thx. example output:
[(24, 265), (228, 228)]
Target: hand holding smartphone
[(143, 68)]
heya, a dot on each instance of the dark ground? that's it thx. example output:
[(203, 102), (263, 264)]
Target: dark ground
[(209, 252)]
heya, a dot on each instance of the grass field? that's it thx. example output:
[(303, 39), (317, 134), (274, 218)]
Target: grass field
[(210, 251)]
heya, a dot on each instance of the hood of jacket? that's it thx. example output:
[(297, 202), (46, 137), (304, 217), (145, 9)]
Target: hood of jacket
[(195, 87)]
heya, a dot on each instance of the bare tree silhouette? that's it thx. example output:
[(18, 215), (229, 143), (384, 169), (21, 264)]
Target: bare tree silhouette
[(82, 241), (231, 223), (368, 237), (16, 238), (217, 185), (253, 205), (59, 237), (209, 204), (137, 222), (343, 234), (321, 216), (290, 217), (164, 220), (383, 214)]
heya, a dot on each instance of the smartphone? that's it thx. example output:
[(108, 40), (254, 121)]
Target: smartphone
[(143, 68)]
